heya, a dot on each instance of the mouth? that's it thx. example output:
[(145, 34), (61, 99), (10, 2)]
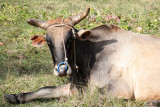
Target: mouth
[(62, 70)]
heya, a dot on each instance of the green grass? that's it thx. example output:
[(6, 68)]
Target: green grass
[(24, 68)]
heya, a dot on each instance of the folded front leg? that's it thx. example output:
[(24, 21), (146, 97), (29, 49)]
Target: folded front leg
[(45, 92)]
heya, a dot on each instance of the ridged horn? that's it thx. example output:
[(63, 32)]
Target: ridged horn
[(37, 23), (80, 17)]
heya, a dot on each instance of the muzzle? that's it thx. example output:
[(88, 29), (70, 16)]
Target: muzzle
[(62, 63), (62, 69)]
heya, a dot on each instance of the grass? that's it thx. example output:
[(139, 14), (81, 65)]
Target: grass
[(24, 68)]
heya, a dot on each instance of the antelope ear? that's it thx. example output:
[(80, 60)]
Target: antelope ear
[(83, 34), (38, 40)]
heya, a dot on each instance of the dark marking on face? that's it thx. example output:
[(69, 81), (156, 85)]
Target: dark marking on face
[(51, 47), (57, 58)]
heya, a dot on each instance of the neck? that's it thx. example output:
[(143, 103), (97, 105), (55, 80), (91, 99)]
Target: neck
[(87, 52)]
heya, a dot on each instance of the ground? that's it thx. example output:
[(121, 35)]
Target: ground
[(25, 68)]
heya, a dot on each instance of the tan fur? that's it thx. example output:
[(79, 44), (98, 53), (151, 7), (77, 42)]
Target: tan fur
[(135, 67), (140, 63)]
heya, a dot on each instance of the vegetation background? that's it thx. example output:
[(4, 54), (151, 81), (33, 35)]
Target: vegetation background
[(25, 68)]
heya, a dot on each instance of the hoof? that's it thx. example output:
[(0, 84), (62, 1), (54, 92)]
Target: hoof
[(10, 98), (152, 103)]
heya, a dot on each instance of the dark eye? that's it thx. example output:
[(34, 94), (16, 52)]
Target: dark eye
[(69, 37), (68, 43)]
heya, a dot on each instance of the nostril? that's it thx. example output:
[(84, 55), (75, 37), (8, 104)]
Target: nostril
[(56, 69)]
